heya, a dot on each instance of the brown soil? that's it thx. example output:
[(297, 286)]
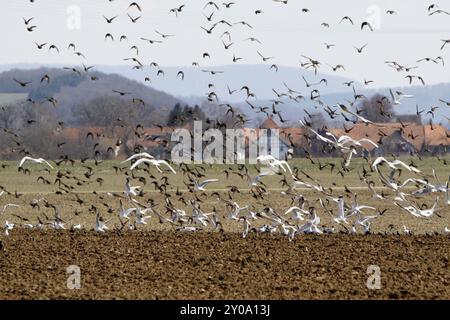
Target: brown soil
[(167, 265)]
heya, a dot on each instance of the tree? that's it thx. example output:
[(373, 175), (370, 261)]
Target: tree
[(318, 121), (377, 109), (179, 116), (174, 114)]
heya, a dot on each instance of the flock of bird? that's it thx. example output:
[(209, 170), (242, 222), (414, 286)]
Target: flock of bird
[(302, 216)]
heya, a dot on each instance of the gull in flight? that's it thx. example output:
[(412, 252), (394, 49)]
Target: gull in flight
[(375, 195), (237, 210), (139, 155), (130, 190), (141, 217), (297, 213), (393, 164), (273, 162), (360, 118), (345, 144), (395, 101), (246, 227), (37, 160), (100, 225), (201, 186), (432, 188), (360, 220), (255, 181), (289, 231), (156, 163), (198, 216), (364, 222), (416, 212), (297, 183), (8, 227), (341, 217), (356, 208), (9, 205), (311, 226), (125, 213)]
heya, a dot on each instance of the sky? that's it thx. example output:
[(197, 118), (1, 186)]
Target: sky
[(285, 31)]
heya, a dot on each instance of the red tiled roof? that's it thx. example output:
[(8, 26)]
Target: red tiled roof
[(269, 123), (416, 134)]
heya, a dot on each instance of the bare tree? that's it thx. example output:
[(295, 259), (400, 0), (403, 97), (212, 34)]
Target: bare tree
[(378, 108)]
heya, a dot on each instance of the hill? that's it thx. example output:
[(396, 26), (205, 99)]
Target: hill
[(71, 89)]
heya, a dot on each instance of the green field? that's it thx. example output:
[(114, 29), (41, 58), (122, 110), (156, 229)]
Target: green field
[(28, 188), (114, 182), (7, 98)]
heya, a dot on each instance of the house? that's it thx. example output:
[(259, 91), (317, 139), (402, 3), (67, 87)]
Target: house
[(275, 140), (271, 141), (269, 138), (399, 137)]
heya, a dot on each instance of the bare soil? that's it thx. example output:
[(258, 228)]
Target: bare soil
[(169, 265)]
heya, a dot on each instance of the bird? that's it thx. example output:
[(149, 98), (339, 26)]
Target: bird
[(21, 83), (8, 227), (274, 163), (393, 164), (346, 18), (180, 74), (439, 11), (110, 20), (8, 205), (366, 24), (129, 189), (445, 42), (135, 5), (156, 163), (264, 58), (121, 93), (360, 49), (134, 19), (164, 36), (100, 225), (35, 160), (396, 101), (200, 186), (359, 117)]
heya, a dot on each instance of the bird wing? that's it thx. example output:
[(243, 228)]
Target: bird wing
[(168, 166), (368, 141), (392, 95), (292, 209), (409, 168), (320, 137), (284, 162), (204, 183), (139, 162), (143, 154), (23, 160), (47, 163)]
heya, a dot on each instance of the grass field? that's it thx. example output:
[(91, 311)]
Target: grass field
[(7, 98), (392, 220), (12, 180)]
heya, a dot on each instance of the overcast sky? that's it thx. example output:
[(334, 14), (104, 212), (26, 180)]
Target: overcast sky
[(285, 32)]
